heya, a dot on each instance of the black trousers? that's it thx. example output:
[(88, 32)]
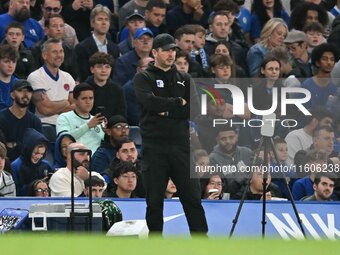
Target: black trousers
[(161, 161)]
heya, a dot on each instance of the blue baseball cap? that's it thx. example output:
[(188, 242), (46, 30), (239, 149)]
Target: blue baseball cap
[(142, 31)]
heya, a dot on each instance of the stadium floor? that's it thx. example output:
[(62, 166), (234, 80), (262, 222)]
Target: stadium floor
[(46, 243)]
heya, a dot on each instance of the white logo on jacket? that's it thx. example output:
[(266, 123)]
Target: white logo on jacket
[(160, 83), (181, 82)]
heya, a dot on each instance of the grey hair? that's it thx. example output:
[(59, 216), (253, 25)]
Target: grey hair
[(98, 9), (48, 42)]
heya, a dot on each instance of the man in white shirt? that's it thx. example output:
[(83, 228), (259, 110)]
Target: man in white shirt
[(60, 182), (52, 87), (302, 139)]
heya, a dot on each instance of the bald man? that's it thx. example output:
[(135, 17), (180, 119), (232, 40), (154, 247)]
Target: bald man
[(60, 182)]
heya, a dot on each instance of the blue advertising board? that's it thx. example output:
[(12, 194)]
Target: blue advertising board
[(320, 220)]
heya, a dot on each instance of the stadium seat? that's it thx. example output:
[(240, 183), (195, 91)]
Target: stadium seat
[(135, 135), (49, 131)]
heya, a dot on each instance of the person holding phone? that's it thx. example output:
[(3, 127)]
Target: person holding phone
[(83, 126)]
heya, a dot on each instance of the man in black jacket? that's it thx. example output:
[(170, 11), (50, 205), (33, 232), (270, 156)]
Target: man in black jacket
[(164, 95), (100, 21)]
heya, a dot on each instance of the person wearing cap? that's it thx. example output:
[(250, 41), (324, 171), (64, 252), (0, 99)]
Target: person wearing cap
[(98, 41), (116, 128), (134, 21), (15, 119), (8, 62), (129, 7), (80, 124), (164, 95), (126, 65), (296, 42)]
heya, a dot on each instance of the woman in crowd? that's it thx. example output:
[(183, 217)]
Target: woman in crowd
[(272, 35), (224, 48)]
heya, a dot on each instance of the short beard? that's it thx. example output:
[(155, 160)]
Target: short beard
[(228, 151), (21, 105), (22, 15)]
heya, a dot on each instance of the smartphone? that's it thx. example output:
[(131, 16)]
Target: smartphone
[(212, 191), (100, 109)]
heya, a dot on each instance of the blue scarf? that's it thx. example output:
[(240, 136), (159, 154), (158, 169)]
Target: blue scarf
[(203, 55)]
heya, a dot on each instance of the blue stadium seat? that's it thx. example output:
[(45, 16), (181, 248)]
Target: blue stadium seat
[(49, 131), (135, 135)]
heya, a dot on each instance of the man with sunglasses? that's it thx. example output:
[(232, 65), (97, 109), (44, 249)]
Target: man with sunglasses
[(49, 7)]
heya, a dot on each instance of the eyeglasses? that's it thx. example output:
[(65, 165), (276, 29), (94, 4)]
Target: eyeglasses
[(42, 190), (119, 126), (50, 9)]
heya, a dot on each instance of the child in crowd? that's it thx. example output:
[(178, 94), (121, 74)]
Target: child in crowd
[(39, 188), (314, 32), (31, 166), (198, 52), (182, 61)]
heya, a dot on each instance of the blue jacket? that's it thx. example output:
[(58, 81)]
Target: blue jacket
[(32, 29), (302, 187), (255, 56), (102, 157), (125, 46), (59, 160), (5, 93), (24, 171), (125, 68), (133, 108)]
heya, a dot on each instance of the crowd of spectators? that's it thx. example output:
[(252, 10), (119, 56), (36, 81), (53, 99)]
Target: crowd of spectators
[(70, 66)]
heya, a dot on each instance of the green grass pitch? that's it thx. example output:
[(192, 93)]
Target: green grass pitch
[(50, 244)]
